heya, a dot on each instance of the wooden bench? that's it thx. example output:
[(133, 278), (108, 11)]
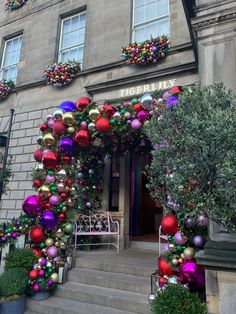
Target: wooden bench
[(99, 224)]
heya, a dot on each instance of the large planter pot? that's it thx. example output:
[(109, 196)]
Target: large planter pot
[(40, 296), (16, 307)]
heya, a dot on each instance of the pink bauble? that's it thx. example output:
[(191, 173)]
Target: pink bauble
[(84, 125), (52, 251), (142, 115), (50, 179), (179, 239), (50, 123), (54, 200), (41, 272), (136, 124)]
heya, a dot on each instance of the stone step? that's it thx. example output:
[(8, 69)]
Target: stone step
[(60, 305), (110, 280), (107, 297)]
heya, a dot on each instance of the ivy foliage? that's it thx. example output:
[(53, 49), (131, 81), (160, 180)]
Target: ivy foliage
[(194, 155)]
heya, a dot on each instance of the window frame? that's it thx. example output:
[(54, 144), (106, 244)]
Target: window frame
[(150, 21), (6, 40), (63, 19)]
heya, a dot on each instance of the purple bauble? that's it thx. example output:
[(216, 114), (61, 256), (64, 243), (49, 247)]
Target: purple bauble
[(52, 251), (202, 220), (179, 239), (89, 205), (189, 222), (84, 197), (50, 179), (166, 95), (49, 220), (54, 200), (66, 144), (67, 106), (198, 241), (31, 206), (136, 124), (142, 115), (41, 272), (50, 282), (14, 235), (50, 123), (36, 288), (84, 125), (43, 262), (172, 101), (165, 247)]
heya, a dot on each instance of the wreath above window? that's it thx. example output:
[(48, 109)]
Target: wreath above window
[(15, 4), (61, 74), (148, 52), (6, 87)]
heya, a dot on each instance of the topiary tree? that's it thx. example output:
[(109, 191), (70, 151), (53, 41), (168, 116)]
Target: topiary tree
[(178, 300), (20, 258), (193, 169)]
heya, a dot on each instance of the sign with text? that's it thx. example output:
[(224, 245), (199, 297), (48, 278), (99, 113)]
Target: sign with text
[(147, 88)]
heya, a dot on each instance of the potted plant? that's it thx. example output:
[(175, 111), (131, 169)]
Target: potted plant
[(13, 283), (20, 258), (177, 299)]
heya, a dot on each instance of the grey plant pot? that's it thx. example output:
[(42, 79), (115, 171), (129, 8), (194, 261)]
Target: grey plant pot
[(16, 307), (40, 296)]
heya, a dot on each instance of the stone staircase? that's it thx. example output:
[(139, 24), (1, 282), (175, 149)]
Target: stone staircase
[(103, 282)]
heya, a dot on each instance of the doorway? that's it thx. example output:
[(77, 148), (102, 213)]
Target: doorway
[(145, 216)]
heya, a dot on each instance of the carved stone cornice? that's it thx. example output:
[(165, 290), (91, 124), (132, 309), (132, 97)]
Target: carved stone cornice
[(209, 20)]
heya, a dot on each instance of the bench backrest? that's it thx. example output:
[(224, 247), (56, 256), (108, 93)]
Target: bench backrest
[(100, 222)]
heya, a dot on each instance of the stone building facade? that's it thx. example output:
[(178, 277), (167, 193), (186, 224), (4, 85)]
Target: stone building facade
[(104, 76)]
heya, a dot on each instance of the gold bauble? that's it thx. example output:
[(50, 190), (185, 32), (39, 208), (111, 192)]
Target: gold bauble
[(68, 118), (39, 267), (189, 253), (49, 242), (48, 139), (57, 244), (175, 261), (49, 264), (54, 277), (71, 130), (44, 189), (93, 113), (64, 209), (62, 245)]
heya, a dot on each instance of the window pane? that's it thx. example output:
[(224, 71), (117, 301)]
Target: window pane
[(82, 20), (139, 3), (151, 31), (139, 15), (81, 34), (81, 53), (162, 7), (74, 54), (66, 26), (163, 27), (74, 23), (13, 73), (151, 11), (139, 35), (65, 56)]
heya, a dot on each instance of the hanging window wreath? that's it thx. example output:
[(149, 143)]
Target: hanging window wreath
[(15, 4), (6, 87), (61, 74), (147, 52)]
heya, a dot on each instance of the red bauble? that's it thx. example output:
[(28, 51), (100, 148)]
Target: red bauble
[(176, 90), (37, 251), (103, 125), (82, 103), (66, 159), (138, 107), (64, 196), (37, 235), (69, 182), (82, 138), (169, 224), (43, 127), (33, 274), (37, 183), (62, 217), (108, 109), (162, 281), (58, 128), (50, 160), (164, 268), (38, 155)]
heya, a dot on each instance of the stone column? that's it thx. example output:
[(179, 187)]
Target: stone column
[(215, 28)]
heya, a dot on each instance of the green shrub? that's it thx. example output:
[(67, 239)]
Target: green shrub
[(13, 283), (20, 258), (177, 300)]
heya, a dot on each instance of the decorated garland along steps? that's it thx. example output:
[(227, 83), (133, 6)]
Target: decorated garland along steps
[(14, 4), (68, 178)]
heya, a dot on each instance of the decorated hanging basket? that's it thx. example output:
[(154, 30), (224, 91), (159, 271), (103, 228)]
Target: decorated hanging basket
[(15, 4), (147, 52), (6, 87), (61, 74)]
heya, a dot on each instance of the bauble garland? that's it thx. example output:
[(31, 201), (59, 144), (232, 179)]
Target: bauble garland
[(6, 87), (14, 4)]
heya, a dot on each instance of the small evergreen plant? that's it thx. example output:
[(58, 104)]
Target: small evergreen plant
[(20, 258), (176, 299)]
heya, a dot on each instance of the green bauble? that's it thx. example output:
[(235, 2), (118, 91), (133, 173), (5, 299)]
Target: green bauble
[(68, 228), (51, 172), (134, 101), (42, 245), (53, 188)]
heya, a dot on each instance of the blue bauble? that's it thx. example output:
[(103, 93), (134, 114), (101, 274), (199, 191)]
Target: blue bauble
[(67, 106)]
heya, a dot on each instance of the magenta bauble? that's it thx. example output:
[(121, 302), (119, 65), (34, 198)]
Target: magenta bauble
[(31, 206), (52, 251), (36, 288), (41, 272), (136, 124), (142, 115), (192, 274)]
